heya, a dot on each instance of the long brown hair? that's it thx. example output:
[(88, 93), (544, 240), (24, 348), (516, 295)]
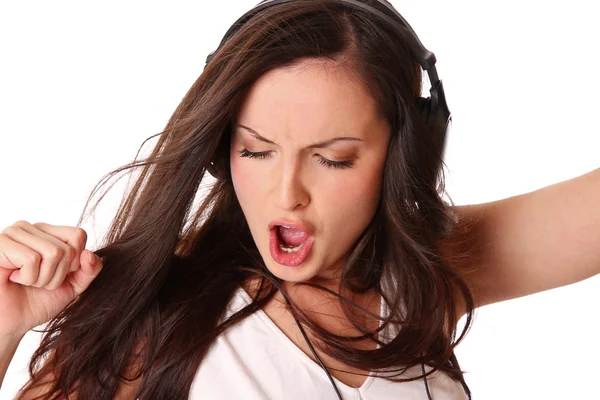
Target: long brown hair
[(171, 265)]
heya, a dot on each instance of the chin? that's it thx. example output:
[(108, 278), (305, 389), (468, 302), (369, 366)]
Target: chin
[(300, 273)]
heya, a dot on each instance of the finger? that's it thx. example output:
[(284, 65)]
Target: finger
[(51, 256), (81, 279), (11, 253), (22, 259), (12, 256), (72, 236), (61, 270), (52, 279), (4, 275)]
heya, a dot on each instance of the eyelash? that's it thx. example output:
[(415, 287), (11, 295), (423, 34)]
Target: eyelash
[(322, 160)]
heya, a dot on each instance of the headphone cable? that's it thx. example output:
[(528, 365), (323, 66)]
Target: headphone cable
[(337, 392)]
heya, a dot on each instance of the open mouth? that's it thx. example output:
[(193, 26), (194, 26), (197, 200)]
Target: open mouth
[(289, 246), (290, 239)]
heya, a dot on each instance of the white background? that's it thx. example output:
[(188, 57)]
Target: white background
[(82, 84)]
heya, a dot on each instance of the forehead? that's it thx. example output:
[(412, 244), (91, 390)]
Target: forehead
[(310, 99)]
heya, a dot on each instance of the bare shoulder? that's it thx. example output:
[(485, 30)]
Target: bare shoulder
[(465, 251)]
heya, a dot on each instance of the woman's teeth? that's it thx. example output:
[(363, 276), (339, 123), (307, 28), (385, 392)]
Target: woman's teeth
[(290, 249), (289, 246)]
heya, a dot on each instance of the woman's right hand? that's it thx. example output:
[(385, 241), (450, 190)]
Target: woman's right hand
[(43, 268)]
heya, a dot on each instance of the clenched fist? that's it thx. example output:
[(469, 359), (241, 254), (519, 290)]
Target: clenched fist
[(43, 268)]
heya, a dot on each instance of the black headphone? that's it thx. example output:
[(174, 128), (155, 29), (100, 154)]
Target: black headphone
[(434, 110)]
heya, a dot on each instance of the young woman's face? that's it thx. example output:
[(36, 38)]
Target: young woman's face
[(308, 148)]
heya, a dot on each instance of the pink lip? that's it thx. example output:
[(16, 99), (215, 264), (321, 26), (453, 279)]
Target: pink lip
[(290, 259), (297, 225)]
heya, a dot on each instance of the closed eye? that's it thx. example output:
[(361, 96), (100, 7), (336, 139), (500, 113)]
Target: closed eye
[(322, 160), (336, 164), (249, 154)]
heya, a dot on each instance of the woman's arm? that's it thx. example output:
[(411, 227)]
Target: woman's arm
[(8, 347), (531, 242)]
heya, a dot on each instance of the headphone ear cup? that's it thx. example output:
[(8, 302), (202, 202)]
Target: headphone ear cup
[(431, 118), (218, 169), (424, 107), (212, 169), (436, 126), (219, 166)]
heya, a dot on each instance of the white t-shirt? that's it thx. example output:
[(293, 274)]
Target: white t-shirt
[(255, 360)]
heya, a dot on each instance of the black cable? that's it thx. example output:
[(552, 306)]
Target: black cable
[(329, 375), (339, 395), (337, 391), (425, 379)]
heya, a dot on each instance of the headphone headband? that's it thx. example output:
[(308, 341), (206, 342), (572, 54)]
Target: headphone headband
[(433, 109), (423, 56)]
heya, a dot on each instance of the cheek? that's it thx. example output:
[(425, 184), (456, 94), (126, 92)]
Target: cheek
[(240, 178), (246, 183), (360, 188), (352, 202)]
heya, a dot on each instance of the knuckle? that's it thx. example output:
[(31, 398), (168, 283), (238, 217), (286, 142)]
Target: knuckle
[(80, 234), (9, 230), (33, 258), (22, 224), (30, 268), (55, 254), (70, 254)]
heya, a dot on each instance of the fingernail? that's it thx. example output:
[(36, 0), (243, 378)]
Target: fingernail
[(92, 258)]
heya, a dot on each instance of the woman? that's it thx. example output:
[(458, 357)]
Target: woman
[(408, 258)]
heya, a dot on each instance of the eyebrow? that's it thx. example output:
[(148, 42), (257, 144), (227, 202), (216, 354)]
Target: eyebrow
[(320, 145)]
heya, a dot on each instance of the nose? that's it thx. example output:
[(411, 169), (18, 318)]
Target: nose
[(291, 192)]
